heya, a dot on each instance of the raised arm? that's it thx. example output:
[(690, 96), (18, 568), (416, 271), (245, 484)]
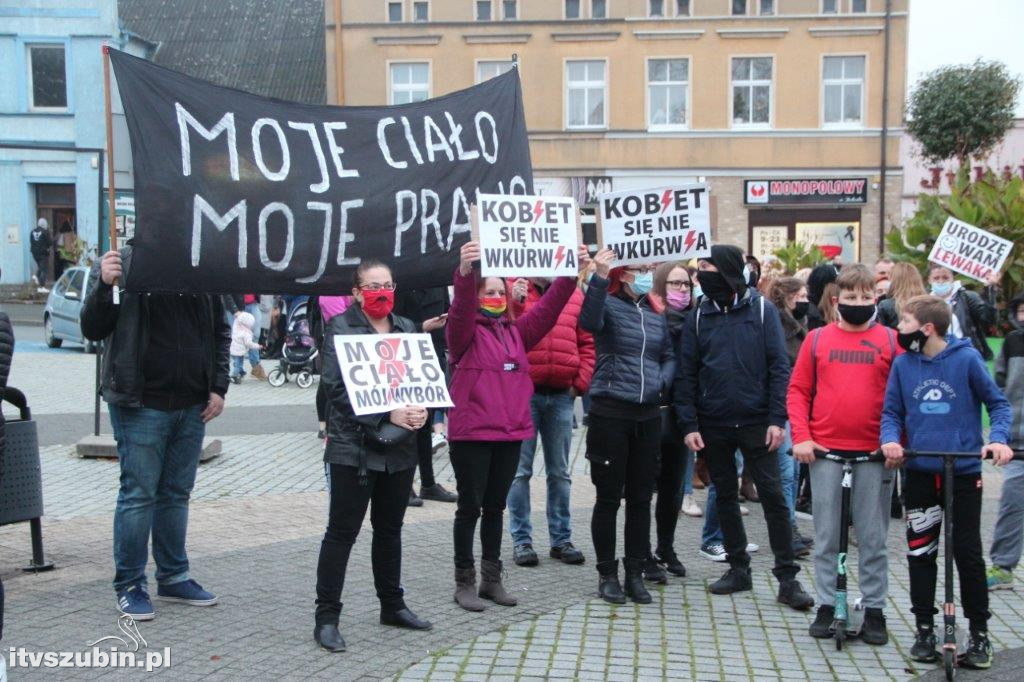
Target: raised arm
[(462, 313)]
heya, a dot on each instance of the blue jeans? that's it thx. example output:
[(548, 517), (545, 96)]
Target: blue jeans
[(237, 367), (159, 453), (712, 533), (552, 418), (788, 473)]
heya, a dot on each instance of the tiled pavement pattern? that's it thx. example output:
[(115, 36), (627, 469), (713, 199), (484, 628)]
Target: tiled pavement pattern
[(256, 523)]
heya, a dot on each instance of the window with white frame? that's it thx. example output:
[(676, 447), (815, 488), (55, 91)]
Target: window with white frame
[(739, 7), (586, 90), (751, 91), (572, 9), (410, 82), (843, 82), (682, 8), (48, 81), (509, 9), (394, 12), (766, 8), (483, 10), (830, 6), (421, 11), (668, 82), (598, 9), (486, 70), (655, 8), (858, 6)]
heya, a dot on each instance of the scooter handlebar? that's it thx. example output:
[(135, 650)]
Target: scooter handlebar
[(877, 455)]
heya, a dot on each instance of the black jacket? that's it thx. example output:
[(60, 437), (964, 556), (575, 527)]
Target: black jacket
[(887, 313), (125, 328), (40, 243), (670, 432), (420, 305), (733, 366), (794, 333), (347, 443), (6, 356), (635, 359), (975, 316)]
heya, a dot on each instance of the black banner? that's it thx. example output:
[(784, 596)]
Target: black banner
[(236, 193)]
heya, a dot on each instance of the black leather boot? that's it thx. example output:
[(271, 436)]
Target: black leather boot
[(608, 586), (635, 589), (329, 638)]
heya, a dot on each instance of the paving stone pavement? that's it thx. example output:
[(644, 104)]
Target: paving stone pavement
[(256, 522)]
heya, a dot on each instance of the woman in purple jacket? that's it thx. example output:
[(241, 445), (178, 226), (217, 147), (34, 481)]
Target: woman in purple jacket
[(491, 390)]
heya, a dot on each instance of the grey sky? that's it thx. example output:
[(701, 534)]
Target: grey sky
[(955, 32)]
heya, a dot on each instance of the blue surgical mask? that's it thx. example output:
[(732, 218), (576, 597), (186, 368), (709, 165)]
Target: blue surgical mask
[(642, 283), (942, 289), (697, 292)]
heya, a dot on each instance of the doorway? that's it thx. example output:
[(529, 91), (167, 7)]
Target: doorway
[(56, 204)]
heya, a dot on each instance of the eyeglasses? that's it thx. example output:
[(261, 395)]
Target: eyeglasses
[(376, 286), (679, 284)]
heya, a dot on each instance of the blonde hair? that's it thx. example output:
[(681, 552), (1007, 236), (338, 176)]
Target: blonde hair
[(829, 310), (906, 283)]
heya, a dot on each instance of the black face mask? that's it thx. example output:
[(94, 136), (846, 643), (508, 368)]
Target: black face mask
[(753, 278), (800, 311), (856, 314), (912, 342), (715, 287)]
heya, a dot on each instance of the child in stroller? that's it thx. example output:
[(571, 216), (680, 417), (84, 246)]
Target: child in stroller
[(299, 352)]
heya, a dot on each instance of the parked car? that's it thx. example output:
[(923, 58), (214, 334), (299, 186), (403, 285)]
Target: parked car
[(63, 308)]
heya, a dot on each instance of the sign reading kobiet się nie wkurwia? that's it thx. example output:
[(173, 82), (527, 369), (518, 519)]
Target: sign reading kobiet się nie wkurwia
[(653, 225)]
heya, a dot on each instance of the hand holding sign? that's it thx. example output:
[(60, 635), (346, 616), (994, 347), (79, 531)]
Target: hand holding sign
[(110, 268), (409, 417), (469, 254), (603, 262)]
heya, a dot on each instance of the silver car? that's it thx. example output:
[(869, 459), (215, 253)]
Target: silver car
[(63, 307)]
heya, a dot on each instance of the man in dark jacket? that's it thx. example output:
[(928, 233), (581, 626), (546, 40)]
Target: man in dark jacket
[(165, 374), (730, 394), (6, 356), (40, 244)]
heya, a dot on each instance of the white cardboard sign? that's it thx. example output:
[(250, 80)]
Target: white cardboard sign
[(527, 236), (386, 371), (654, 225), (970, 250)]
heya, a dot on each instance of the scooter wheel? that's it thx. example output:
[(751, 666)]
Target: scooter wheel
[(949, 663), (840, 637)]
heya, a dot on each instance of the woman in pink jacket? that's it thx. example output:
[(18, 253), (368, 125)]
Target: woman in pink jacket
[(491, 390)]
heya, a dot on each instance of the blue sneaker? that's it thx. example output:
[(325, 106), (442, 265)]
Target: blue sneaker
[(187, 592), (134, 601)]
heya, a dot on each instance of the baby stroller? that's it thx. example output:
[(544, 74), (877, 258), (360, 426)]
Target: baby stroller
[(299, 352)]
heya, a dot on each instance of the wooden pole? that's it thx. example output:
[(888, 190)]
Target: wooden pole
[(339, 76), (110, 158)]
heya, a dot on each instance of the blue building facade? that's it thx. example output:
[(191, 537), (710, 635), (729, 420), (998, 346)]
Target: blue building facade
[(51, 68)]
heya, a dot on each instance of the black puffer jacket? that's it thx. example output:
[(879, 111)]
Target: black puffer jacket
[(635, 357), (346, 440), (125, 328), (6, 356), (975, 316)]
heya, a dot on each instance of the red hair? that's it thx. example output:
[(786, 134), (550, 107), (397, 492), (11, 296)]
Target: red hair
[(615, 279)]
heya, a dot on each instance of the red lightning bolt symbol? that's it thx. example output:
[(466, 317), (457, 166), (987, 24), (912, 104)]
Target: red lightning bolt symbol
[(690, 239), (538, 209), (666, 199), (559, 255)]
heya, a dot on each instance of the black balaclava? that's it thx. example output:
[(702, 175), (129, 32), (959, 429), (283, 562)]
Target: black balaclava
[(820, 277), (1011, 310), (729, 261)]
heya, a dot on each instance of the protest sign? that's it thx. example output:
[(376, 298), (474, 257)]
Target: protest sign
[(653, 225), (527, 236), (970, 250), (237, 193), (386, 371)]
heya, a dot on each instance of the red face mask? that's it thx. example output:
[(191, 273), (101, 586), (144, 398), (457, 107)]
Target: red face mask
[(378, 304)]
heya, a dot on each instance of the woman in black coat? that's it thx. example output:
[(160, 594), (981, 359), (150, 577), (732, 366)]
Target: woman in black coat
[(6, 356), (367, 463)]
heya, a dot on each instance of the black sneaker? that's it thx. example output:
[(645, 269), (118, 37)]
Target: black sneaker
[(979, 652), (673, 565), (734, 580), (653, 572), (792, 594), (925, 643), (438, 493), (567, 554), (821, 628), (873, 630), (523, 555), (414, 499)]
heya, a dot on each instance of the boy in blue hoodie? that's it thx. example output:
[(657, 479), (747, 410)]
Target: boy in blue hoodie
[(934, 397)]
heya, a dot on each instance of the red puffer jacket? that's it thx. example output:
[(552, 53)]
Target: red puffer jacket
[(565, 356)]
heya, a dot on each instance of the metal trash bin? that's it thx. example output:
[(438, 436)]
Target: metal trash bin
[(21, 481)]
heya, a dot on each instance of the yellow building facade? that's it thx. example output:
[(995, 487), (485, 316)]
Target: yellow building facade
[(776, 104)]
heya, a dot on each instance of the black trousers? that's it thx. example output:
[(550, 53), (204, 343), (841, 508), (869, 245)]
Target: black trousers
[(425, 452), (720, 446), (670, 492), (483, 475), (387, 494), (623, 456), (922, 492)]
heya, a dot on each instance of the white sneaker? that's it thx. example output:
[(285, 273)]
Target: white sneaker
[(751, 547), (690, 508), (42, 290), (437, 441), (743, 510)]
